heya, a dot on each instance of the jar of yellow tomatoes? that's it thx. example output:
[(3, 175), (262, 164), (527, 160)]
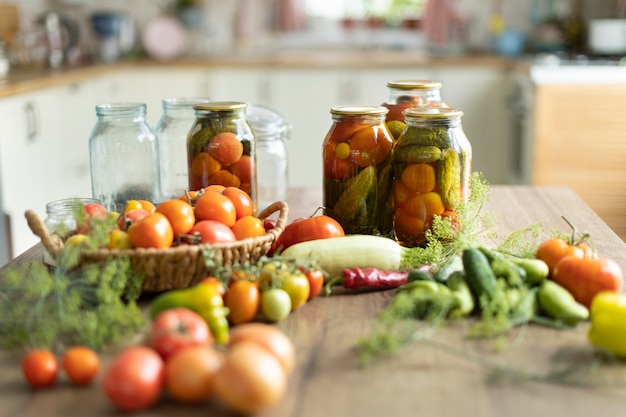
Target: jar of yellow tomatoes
[(431, 168), (357, 170), (405, 94), (221, 148)]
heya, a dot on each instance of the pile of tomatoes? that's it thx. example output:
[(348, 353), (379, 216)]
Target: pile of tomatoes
[(215, 214)]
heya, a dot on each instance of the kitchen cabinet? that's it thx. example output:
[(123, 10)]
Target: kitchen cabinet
[(43, 153), (579, 142)]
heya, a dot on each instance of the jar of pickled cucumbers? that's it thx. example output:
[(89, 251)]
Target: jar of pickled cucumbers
[(221, 148), (357, 170), (431, 168), (405, 94)]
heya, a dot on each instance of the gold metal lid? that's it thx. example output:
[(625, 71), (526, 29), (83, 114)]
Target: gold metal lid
[(221, 106), (432, 113), (359, 110), (415, 84)]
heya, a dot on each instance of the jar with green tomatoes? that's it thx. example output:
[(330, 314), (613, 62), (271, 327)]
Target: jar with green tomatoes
[(432, 162), (357, 170), (406, 94), (221, 148)]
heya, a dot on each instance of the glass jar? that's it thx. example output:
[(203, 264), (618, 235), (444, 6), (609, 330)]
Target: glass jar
[(357, 170), (432, 162), (221, 148), (123, 155), (61, 219), (271, 130), (171, 130), (404, 94)]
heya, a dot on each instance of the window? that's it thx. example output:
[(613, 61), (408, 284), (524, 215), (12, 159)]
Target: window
[(390, 10)]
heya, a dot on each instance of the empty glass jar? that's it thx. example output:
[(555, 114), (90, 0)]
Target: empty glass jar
[(271, 131), (171, 130), (123, 155)]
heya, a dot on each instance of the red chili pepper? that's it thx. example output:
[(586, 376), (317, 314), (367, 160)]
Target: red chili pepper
[(357, 278)]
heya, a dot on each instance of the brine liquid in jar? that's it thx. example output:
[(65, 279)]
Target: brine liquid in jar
[(221, 148), (431, 166), (357, 170), (406, 94)]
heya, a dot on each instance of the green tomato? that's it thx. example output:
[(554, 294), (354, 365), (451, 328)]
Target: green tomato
[(275, 304)]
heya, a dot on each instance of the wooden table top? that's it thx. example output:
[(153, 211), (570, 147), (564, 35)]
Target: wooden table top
[(447, 375)]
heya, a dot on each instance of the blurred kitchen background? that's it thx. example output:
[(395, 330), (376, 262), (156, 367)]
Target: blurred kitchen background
[(113, 30)]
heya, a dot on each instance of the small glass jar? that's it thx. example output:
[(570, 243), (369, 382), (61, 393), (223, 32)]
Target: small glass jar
[(432, 162), (271, 130), (171, 130), (123, 156), (221, 148), (357, 170), (61, 219), (404, 94)]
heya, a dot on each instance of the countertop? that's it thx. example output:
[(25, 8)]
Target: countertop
[(22, 80), (446, 374)]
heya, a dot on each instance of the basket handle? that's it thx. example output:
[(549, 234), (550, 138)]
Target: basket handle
[(51, 242), (283, 214)]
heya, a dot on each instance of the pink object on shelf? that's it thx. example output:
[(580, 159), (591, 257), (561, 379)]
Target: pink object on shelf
[(439, 18), (165, 38)]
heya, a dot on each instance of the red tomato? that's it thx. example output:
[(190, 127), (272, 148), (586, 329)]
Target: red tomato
[(92, 211), (251, 379), (271, 338), (190, 373), (134, 380), (553, 250), (40, 368), (153, 231), (81, 364), (248, 226), (212, 231), (176, 329), (244, 206), (218, 207), (129, 217), (180, 215), (370, 146), (310, 228), (242, 299), (316, 281), (586, 277)]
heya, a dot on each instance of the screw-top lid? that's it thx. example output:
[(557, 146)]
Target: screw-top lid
[(415, 84), (432, 113), (359, 110), (221, 106)]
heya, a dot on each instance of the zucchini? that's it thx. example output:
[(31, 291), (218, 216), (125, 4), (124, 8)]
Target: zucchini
[(478, 273), (337, 253)]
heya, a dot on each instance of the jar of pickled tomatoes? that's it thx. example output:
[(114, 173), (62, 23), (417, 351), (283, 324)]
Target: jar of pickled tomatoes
[(357, 170), (404, 94), (431, 168), (221, 148)]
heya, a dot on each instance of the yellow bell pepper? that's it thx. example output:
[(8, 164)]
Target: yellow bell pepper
[(608, 322)]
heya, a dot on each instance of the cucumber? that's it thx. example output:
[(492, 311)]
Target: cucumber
[(478, 273), (337, 253)]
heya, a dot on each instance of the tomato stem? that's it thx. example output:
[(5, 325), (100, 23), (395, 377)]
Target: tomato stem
[(574, 238)]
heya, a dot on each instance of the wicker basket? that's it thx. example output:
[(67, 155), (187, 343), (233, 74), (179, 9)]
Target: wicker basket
[(176, 267)]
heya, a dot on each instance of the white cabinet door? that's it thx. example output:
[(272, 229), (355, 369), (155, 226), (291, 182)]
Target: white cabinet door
[(481, 92), (234, 84)]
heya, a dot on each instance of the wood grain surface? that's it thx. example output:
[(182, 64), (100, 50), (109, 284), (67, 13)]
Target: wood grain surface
[(444, 374)]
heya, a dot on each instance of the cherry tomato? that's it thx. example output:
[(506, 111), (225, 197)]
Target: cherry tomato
[(190, 373), (243, 169), (271, 338), (395, 110), (242, 300), (275, 304), (176, 329), (119, 239), (212, 231), (586, 277), (180, 215), (551, 251), (370, 146), (251, 379), (134, 379), (92, 211), (40, 368), (129, 217), (296, 285), (310, 228), (244, 206), (218, 207), (153, 231), (219, 286), (80, 364), (316, 281), (248, 226), (226, 148)]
